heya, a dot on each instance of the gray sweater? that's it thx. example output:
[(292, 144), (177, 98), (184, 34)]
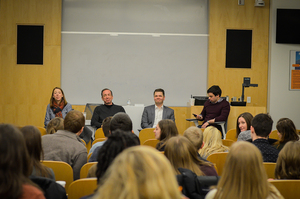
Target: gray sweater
[(67, 147)]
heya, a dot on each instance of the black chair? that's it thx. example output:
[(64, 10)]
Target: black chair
[(193, 186)]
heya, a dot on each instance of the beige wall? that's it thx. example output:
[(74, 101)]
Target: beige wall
[(26, 89), (227, 14)]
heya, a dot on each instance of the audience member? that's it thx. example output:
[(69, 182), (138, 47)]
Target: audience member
[(243, 125), (34, 147), (119, 121), (165, 129), (287, 166), (54, 125), (182, 154), (195, 136), (15, 166), (261, 127), (59, 107), (244, 175), (286, 131), (139, 172), (212, 142), (215, 108), (65, 145), (107, 109), (154, 113), (105, 127), (115, 144)]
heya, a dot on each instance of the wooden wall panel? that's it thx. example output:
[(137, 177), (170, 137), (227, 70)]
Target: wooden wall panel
[(26, 89), (227, 14)]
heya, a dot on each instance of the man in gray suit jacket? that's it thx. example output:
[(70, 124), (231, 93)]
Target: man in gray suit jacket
[(154, 113)]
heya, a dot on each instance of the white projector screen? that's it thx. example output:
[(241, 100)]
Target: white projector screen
[(134, 47)]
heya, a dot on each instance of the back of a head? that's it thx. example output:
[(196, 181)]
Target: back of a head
[(287, 129), (262, 124), (215, 89), (54, 125), (116, 142), (33, 141), (139, 172), (182, 154), (195, 135), (14, 162), (74, 121), (168, 129), (106, 125), (212, 136), (121, 121), (244, 171), (287, 166)]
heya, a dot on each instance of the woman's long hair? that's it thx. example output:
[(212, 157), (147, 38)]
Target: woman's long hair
[(182, 154), (287, 166), (62, 99), (14, 162), (168, 129), (34, 147), (139, 172), (287, 129), (212, 142), (244, 175), (248, 118), (113, 146)]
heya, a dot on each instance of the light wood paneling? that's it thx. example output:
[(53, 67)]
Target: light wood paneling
[(26, 89), (227, 14)]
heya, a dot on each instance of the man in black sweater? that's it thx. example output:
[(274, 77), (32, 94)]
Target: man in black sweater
[(107, 109)]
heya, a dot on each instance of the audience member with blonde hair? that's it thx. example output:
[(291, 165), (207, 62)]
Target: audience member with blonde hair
[(54, 125), (194, 135), (287, 166), (139, 172), (165, 129), (212, 142), (286, 131), (15, 166), (182, 154), (34, 147), (244, 175)]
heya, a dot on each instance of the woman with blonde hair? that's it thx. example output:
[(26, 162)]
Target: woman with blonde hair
[(212, 142), (287, 166), (286, 132), (182, 154), (54, 125), (244, 175), (165, 129), (139, 172)]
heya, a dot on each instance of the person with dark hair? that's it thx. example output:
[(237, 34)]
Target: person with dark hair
[(286, 132), (215, 108), (105, 110), (243, 125), (116, 142), (15, 166), (105, 127), (261, 127), (119, 121), (165, 129), (154, 113), (34, 147), (65, 145)]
